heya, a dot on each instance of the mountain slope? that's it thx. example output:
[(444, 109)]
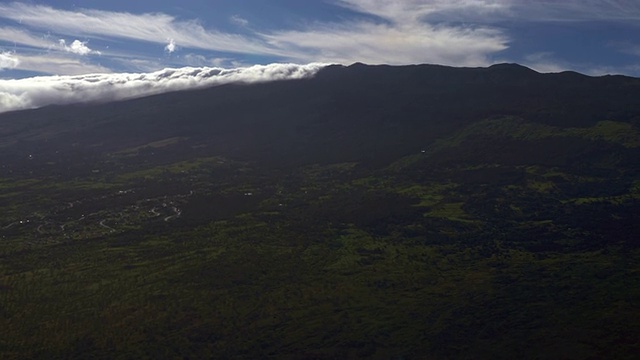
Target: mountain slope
[(368, 212), (342, 108)]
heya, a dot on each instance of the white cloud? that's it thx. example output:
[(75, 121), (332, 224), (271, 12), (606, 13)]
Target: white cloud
[(155, 28), (404, 37), (8, 60), (46, 90), (626, 47), (612, 70), (238, 20), (23, 37), (200, 60), (451, 32), (77, 47), (58, 63), (576, 10), (416, 10), (498, 11), (401, 44), (195, 60), (544, 62), (138, 64), (171, 46), (547, 62)]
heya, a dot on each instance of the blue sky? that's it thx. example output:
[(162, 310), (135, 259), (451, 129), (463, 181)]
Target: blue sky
[(65, 37)]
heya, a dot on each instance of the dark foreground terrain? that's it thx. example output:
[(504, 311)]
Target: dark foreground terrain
[(418, 212)]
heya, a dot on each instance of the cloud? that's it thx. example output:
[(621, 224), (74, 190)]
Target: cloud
[(451, 32), (576, 10), (403, 37), (45, 90), (544, 62), (236, 19), (626, 47), (412, 10), (171, 46), (200, 60), (500, 11), (403, 44), (547, 62), (23, 37), (77, 47), (150, 27), (8, 61), (58, 63)]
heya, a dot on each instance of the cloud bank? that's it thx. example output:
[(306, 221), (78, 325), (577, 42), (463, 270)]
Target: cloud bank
[(46, 90)]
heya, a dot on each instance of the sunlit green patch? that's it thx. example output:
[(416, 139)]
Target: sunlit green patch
[(621, 133), (152, 145), (451, 211), (175, 168), (612, 131), (543, 187), (430, 194)]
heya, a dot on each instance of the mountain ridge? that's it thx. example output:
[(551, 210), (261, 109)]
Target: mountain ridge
[(368, 212), (349, 100)]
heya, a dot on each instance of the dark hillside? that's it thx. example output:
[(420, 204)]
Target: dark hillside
[(369, 212), (356, 113)]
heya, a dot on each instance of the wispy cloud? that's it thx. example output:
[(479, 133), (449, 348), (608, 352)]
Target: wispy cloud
[(626, 47), (576, 10), (547, 62), (399, 44), (413, 10), (238, 20), (544, 62), (19, 36), (499, 11), (402, 37), (58, 63), (203, 61), (155, 28), (41, 91)]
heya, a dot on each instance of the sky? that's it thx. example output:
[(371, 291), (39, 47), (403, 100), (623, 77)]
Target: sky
[(62, 41)]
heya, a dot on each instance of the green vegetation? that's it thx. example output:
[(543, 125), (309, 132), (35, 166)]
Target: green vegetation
[(323, 262), (279, 234), (615, 132)]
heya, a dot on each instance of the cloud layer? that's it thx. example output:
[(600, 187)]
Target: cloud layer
[(46, 90)]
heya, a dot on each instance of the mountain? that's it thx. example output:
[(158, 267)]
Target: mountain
[(367, 212), (411, 106)]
